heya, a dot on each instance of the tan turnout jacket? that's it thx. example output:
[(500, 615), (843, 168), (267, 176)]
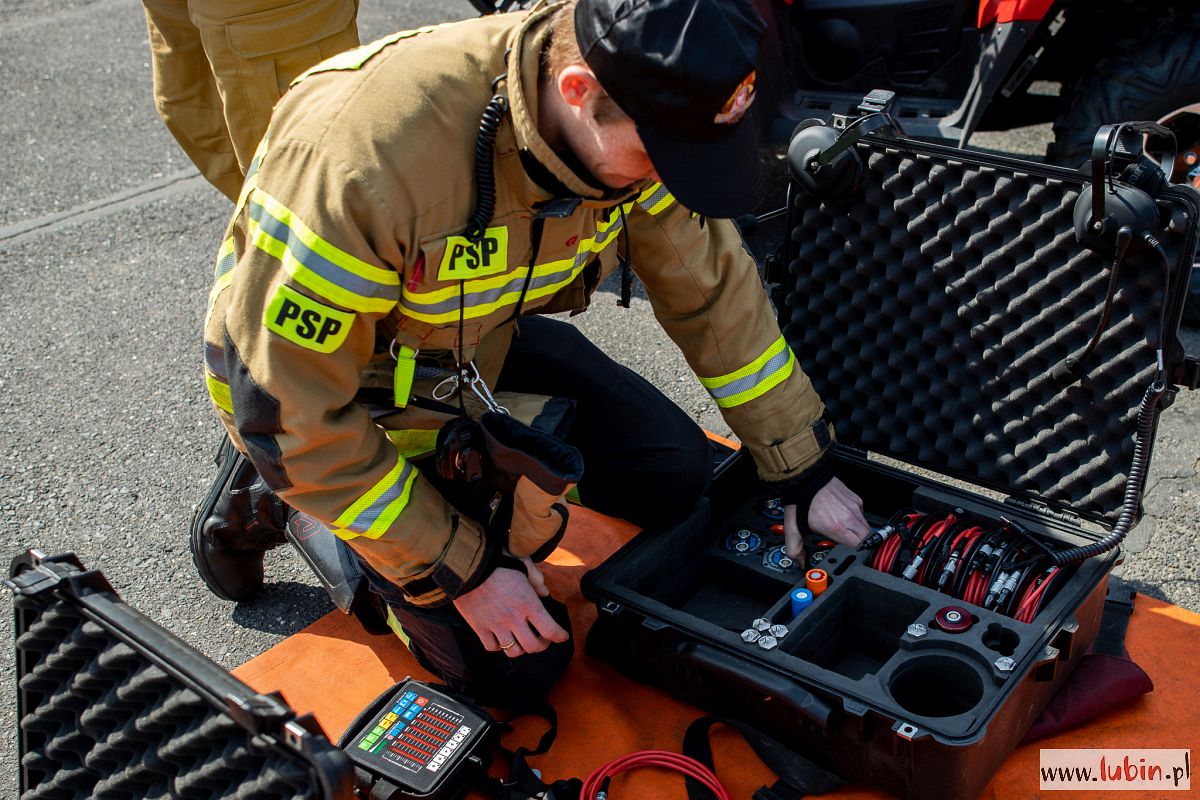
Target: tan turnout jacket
[(348, 236)]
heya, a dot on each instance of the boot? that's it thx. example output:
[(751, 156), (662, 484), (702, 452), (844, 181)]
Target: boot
[(338, 570), (239, 521)]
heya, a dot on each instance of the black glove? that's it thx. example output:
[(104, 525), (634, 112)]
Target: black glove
[(800, 490)]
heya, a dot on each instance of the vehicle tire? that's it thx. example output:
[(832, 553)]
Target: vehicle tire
[(1146, 78)]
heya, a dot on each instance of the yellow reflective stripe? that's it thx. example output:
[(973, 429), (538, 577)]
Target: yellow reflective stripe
[(655, 200), (751, 368), (315, 263), (763, 373), (218, 392), (762, 387), (226, 259), (372, 514), (485, 296), (354, 59), (413, 442)]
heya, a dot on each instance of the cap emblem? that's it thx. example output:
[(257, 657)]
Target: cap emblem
[(737, 104)]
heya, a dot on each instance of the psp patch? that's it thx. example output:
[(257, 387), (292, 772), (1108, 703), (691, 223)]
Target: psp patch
[(304, 321), (465, 259)]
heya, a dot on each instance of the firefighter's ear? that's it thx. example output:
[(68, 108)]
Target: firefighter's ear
[(577, 86)]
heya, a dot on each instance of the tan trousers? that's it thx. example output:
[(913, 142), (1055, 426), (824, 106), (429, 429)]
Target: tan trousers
[(220, 66)]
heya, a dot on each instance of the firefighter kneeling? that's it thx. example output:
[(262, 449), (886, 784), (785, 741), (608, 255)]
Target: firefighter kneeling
[(346, 338)]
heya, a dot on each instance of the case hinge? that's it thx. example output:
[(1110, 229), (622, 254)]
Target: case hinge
[(1187, 374)]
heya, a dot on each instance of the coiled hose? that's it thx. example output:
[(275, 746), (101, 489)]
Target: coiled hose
[(1134, 483), (485, 176)]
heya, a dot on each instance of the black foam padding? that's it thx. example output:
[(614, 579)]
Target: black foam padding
[(101, 721), (930, 306)]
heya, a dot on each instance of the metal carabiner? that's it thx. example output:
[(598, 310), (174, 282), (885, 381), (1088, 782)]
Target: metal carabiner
[(469, 376), (480, 388)]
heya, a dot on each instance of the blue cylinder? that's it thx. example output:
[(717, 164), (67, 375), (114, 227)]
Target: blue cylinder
[(801, 599)]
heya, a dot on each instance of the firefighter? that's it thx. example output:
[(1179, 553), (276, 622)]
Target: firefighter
[(219, 68), (413, 207)]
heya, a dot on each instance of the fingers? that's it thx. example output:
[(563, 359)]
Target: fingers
[(837, 512), (534, 636), (536, 579), (793, 542)]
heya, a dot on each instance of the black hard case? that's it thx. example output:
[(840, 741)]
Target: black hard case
[(111, 706), (930, 307)]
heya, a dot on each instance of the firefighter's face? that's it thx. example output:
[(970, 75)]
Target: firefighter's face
[(604, 140), (618, 159)]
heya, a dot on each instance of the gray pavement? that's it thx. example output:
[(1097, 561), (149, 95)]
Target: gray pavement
[(107, 237)]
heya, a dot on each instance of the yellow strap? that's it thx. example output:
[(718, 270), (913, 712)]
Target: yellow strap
[(406, 370)]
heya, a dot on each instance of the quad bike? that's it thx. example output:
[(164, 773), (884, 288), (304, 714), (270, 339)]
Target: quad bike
[(958, 66)]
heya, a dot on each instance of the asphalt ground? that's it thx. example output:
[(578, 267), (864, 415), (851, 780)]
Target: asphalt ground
[(107, 239)]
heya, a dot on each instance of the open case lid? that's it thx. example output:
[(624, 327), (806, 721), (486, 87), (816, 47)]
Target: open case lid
[(931, 304), (111, 705)]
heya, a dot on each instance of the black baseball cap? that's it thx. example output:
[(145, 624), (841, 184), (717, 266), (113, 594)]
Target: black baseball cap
[(684, 71)]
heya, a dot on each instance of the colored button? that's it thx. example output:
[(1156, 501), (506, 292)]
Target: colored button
[(422, 701), (411, 714)]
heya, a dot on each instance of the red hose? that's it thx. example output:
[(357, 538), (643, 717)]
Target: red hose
[(598, 780)]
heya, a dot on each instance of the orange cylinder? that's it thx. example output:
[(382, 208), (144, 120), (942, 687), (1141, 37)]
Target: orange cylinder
[(816, 580)]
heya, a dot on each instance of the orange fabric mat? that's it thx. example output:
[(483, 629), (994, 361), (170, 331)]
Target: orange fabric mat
[(333, 669)]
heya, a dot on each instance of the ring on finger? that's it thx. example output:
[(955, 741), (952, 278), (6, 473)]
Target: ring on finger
[(507, 646)]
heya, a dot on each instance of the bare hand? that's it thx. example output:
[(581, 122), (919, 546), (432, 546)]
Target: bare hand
[(505, 609), (835, 512)]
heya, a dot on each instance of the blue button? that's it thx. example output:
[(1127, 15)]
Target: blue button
[(412, 713)]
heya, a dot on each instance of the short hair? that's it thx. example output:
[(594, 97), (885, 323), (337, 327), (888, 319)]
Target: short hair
[(562, 51)]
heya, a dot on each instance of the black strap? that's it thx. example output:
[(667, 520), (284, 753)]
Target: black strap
[(623, 260), (798, 777), (1118, 607), (523, 783)]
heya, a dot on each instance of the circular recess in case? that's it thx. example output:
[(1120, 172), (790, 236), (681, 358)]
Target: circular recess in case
[(936, 685)]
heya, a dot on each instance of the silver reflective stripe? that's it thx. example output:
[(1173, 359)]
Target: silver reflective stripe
[(654, 199), (776, 363), (513, 286), (214, 359), (317, 263), (370, 515), (226, 263), (254, 165)]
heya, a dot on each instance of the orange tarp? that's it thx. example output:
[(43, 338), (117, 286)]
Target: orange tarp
[(333, 669)]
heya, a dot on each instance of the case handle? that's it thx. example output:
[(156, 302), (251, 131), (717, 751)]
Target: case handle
[(801, 701)]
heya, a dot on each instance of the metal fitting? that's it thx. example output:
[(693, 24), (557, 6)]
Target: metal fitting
[(778, 631), (917, 630), (750, 636), (761, 624), (910, 571), (767, 642), (1005, 664)]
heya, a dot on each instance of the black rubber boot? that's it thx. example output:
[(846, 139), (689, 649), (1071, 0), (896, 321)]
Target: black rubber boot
[(239, 521)]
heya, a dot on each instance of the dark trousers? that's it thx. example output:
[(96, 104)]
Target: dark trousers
[(645, 460)]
